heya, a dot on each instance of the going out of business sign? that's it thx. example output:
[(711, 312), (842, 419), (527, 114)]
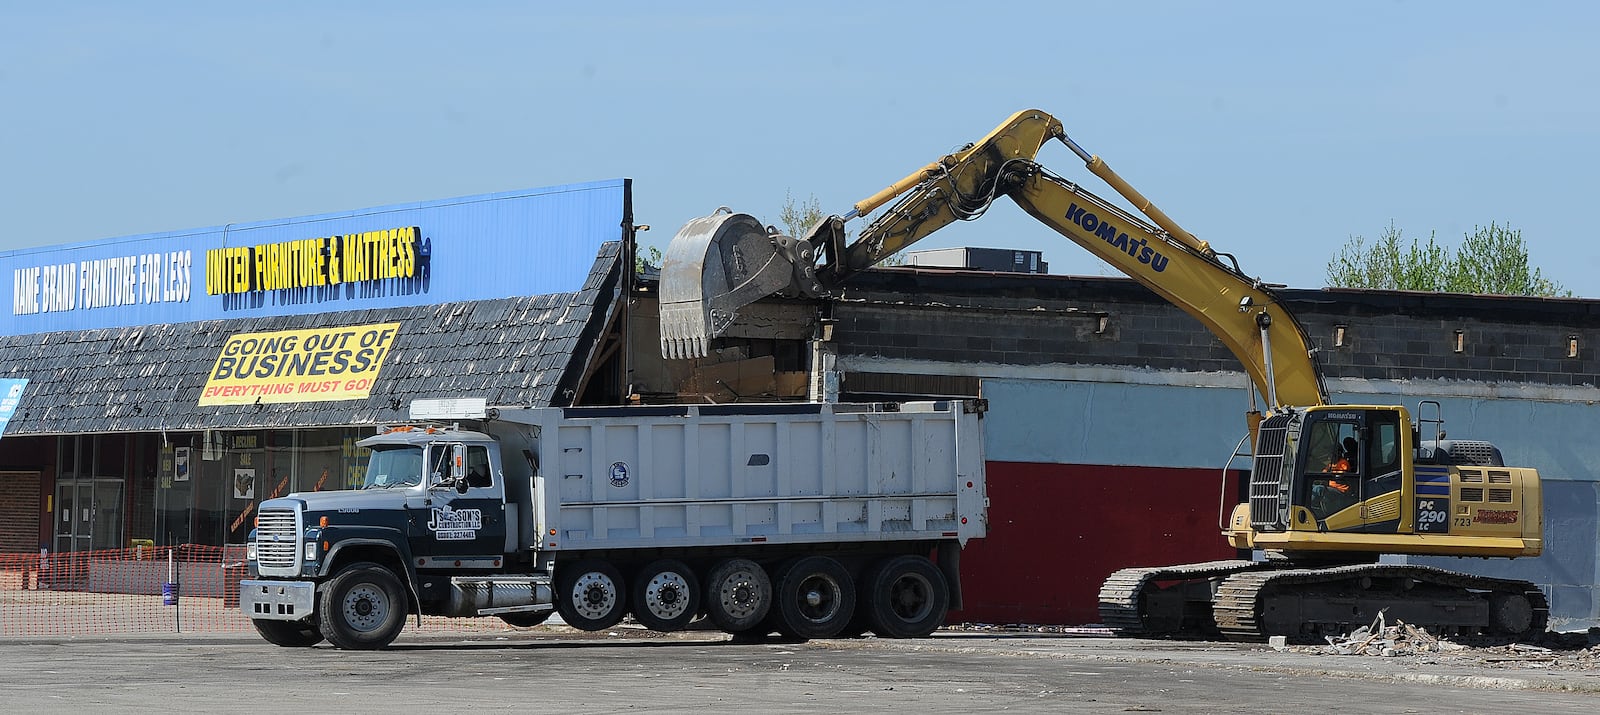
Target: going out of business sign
[(316, 365)]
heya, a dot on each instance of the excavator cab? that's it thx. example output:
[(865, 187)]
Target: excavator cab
[(1356, 479), (1351, 469), (1339, 468)]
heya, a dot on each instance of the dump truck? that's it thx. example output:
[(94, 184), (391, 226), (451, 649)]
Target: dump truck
[(808, 519)]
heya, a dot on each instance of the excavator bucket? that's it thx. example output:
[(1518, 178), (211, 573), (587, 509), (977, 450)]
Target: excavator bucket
[(714, 266)]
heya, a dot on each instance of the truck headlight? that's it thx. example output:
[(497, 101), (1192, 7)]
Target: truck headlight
[(311, 551), (250, 551)]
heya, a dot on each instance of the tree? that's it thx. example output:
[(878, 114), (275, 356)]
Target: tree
[(798, 218), (1491, 260), (647, 261)]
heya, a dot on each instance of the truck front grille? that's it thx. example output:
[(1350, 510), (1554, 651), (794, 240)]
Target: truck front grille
[(277, 538)]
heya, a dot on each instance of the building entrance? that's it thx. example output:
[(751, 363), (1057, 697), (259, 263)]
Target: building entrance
[(88, 514)]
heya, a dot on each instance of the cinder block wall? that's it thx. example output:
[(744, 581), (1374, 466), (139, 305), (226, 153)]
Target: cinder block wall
[(1038, 320)]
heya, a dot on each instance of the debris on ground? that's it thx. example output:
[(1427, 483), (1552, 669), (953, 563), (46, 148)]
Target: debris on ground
[(1577, 651), (1093, 630), (1555, 651), (1382, 639)]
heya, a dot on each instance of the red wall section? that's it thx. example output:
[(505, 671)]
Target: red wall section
[(1057, 530)]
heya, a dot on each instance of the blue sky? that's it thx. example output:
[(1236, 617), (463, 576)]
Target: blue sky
[(1274, 130)]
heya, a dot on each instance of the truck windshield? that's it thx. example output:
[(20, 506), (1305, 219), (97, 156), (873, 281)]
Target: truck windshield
[(393, 466)]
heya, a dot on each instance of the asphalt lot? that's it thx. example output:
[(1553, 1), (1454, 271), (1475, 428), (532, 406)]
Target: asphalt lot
[(556, 669)]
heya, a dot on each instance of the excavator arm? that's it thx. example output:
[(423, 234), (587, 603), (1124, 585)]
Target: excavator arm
[(720, 263)]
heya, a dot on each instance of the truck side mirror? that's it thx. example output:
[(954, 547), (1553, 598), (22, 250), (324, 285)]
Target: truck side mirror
[(458, 467)]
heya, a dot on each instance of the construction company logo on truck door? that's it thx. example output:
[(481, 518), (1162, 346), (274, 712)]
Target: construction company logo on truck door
[(455, 524)]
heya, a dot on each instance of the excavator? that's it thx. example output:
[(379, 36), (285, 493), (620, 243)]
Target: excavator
[(1332, 488)]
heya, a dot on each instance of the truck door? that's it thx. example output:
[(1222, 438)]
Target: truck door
[(467, 527)]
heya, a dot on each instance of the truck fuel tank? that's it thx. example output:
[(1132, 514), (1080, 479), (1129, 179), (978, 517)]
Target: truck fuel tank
[(496, 595)]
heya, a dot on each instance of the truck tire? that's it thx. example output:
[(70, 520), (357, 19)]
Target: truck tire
[(289, 634), (363, 607), (590, 595), (525, 619), (666, 595), (815, 598), (905, 597), (738, 595)]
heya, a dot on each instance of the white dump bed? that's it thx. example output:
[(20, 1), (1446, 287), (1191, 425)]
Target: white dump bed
[(787, 473)]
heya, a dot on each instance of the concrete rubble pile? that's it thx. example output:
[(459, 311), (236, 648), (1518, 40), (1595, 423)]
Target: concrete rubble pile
[(1562, 651), (1389, 640)]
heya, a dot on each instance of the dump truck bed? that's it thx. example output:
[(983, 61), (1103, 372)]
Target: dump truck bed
[(712, 475)]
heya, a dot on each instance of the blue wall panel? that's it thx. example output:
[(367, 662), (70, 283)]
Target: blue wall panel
[(1112, 423), (516, 243)]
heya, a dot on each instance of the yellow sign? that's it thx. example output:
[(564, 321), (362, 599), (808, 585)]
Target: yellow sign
[(316, 365), (313, 262)]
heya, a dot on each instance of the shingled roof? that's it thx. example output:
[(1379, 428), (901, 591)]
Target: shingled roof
[(513, 351)]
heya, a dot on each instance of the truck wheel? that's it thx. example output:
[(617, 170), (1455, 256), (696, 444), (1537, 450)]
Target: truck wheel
[(907, 597), (363, 608), (666, 595), (815, 598), (738, 595), (289, 634), (525, 619), (589, 595)]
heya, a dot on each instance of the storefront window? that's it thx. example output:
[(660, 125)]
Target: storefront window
[(319, 460), (247, 470), (88, 504), (206, 486), (174, 498)]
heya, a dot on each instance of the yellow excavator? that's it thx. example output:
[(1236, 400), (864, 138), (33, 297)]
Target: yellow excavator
[(1332, 488)]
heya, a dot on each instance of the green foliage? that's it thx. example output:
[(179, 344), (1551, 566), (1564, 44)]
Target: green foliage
[(798, 218), (1492, 260), (643, 261)]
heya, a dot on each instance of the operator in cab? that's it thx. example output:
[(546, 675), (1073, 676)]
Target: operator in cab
[(1338, 491)]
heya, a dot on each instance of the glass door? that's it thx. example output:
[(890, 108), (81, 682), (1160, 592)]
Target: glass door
[(88, 515), (72, 525), (105, 514)]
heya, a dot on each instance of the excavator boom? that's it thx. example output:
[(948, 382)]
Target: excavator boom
[(720, 263)]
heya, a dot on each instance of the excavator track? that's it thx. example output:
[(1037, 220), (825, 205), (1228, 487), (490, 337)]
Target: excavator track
[(1307, 603), (1133, 603)]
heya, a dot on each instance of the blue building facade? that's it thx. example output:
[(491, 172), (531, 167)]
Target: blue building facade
[(160, 386), (530, 242)]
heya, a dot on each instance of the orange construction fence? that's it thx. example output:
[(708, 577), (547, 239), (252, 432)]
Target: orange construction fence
[(145, 589)]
